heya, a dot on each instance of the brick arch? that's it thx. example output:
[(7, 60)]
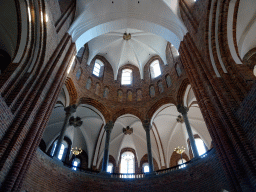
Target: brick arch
[(71, 90), (144, 159), (158, 104), (97, 105), (124, 111), (181, 91), (112, 160)]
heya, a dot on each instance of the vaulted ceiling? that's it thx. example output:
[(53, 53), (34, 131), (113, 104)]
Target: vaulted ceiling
[(136, 51), (151, 23), (166, 133)]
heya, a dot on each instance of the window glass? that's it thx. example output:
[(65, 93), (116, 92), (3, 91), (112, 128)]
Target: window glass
[(126, 77), (97, 67), (155, 69), (200, 146), (127, 162), (64, 145), (145, 168), (61, 152), (75, 163), (110, 168)]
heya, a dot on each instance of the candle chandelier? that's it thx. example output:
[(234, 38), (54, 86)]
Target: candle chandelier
[(76, 151), (179, 150)]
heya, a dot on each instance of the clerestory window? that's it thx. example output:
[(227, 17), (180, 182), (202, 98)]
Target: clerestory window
[(126, 77), (155, 69), (98, 68)]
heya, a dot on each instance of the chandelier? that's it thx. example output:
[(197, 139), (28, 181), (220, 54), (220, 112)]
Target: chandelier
[(179, 150), (76, 151)]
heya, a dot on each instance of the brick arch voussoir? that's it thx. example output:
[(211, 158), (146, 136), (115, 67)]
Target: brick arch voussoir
[(131, 111), (181, 91), (158, 104), (99, 106), (71, 90)]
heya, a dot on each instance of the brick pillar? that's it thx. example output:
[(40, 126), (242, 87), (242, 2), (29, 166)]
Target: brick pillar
[(108, 128), (235, 153)]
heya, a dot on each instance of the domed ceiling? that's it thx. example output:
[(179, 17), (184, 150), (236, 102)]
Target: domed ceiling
[(128, 46)]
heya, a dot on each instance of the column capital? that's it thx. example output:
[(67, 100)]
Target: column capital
[(70, 109), (146, 125), (109, 126), (182, 109)]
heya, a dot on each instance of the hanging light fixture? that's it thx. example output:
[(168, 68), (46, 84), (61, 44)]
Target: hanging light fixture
[(180, 151), (76, 151)]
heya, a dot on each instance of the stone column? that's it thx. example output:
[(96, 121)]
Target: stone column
[(183, 110), (108, 128), (147, 127), (69, 110)]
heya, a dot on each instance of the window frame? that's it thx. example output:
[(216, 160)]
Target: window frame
[(127, 168), (66, 151), (152, 69), (131, 76), (110, 164), (78, 165), (101, 69), (143, 167)]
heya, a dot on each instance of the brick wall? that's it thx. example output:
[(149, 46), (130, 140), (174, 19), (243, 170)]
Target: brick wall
[(107, 80), (202, 175)]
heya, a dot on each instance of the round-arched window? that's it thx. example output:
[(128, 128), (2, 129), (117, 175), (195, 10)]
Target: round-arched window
[(181, 162), (110, 168), (127, 162), (145, 168), (64, 145), (76, 163)]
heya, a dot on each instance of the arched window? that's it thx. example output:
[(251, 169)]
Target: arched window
[(64, 145), (145, 168), (126, 76), (181, 162), (155, 69), (110, 168), (127, 162), (98, 68), (76, 163), (200, 146)]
